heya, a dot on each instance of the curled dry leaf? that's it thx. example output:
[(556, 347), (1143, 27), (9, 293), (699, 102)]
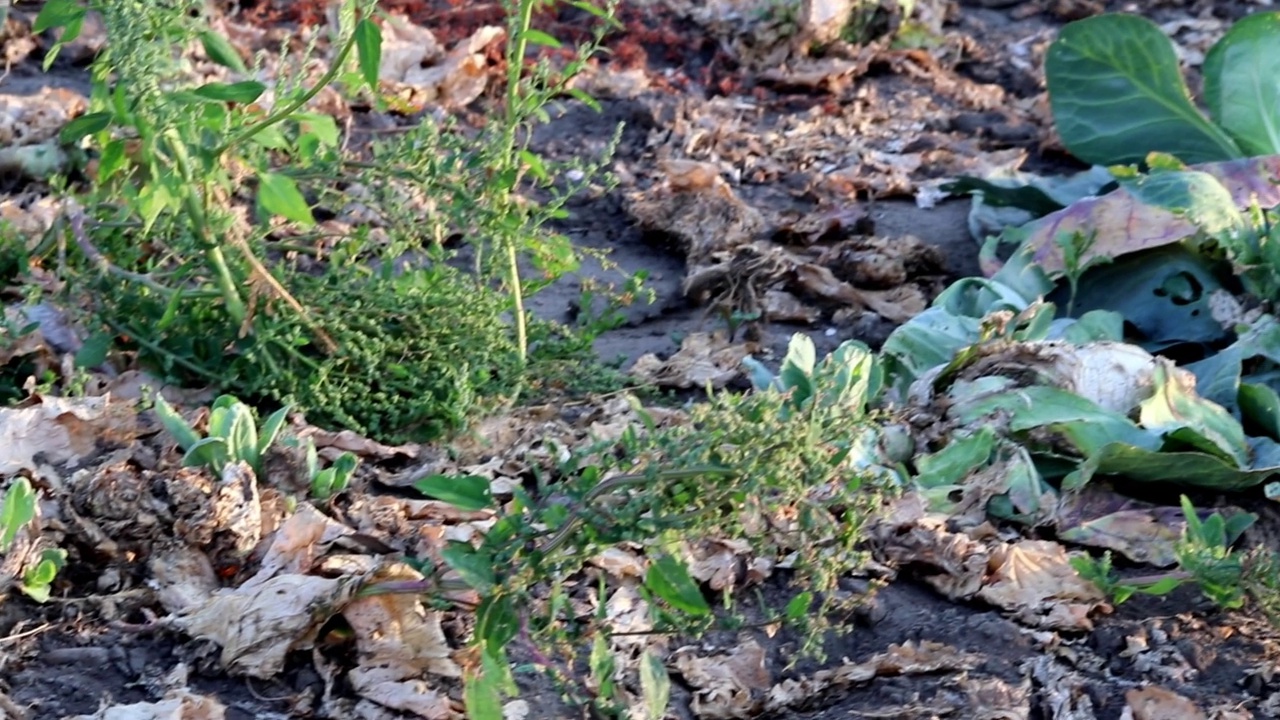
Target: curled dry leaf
[(629, 617), (10, 710), (37, 118), (415, 67), (258, 625), (726, 685), (910, 658), (719, 562), (280, 608), (31, 343), (1156, 703), (508, 446), (619, 563), (60, 431), (30, 215), (1031, 579), (733, 266), (399, 641), (704, 359), (351, 441), (183, 577), (1034, 580)]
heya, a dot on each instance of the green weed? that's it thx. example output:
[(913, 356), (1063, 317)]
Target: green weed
[(383, 334), (784, 468), (1205, 558)]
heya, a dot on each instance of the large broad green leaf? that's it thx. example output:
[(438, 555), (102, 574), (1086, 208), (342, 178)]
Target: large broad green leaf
[(1193, 469), (1242, 83), (1218, 377), (1163, 294), (961, 456), (953, 323), (1198, 196), (1117, 94)]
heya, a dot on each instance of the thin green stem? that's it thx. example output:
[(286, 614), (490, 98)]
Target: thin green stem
[(335, 68), (517, 46), (155, 348), (193, 203)]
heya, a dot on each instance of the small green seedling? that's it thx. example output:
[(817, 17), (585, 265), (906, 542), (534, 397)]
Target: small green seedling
[(233, 434), (332, 480), (1204, 557), (37, 580), (17, 510)]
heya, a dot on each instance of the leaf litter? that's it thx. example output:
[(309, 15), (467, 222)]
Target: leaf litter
[(222, 552)]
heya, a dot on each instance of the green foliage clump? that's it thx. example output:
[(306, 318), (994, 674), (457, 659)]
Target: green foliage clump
[(791, 468), (413, 354), (416, 354)]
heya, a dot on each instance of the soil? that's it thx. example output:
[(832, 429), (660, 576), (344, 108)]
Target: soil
[(71, 656)]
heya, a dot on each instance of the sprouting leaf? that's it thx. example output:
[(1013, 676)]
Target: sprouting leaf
[(536, 167), (796, 374), (94, 351), (369, 51), (36, 581), (497, 622), (322, 126), (243, 92), (602, 666), (87, 124), (18, 509), (798, 606), (220, 51), (57, 13), (210, 452), (1242, 83), (538, 37), (271, 429), (112, 161), (279, 195), (585, 98), (271, 138), (481, 695), (669, 579), (655, 684), (1117, 94), (475, 567), (465, 492), (344, 467), (179, 428)]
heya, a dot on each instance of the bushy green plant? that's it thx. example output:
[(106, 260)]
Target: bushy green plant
[(176, 277), (803, 443)]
